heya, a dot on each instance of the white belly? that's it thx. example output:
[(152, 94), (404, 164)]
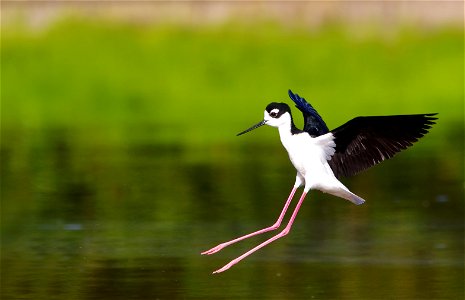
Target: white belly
[(310, 158), (310, 155)]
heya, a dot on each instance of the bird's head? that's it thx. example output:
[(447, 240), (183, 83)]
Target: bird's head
[(275, 115)]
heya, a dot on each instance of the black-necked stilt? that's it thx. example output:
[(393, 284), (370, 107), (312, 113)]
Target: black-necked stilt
[(321, 156)]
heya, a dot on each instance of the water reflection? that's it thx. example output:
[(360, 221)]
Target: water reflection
[(85, 221)]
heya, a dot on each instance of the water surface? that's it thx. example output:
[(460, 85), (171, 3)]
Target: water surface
[(93, 221)]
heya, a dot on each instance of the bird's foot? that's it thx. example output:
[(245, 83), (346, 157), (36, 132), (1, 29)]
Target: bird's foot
[(226, 267), (213, 250)]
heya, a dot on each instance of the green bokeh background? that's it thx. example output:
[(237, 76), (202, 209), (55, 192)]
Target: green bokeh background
[(120, 161), (191, 85)]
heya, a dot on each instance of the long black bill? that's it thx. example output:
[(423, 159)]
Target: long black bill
[(253, 127)]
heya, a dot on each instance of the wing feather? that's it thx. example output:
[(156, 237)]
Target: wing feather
[(314, 124), (366, 141)]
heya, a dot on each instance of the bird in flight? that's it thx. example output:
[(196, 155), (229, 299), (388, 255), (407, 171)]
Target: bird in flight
[(321, 156)]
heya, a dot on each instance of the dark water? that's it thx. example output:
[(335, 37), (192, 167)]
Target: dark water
[(97, 221)]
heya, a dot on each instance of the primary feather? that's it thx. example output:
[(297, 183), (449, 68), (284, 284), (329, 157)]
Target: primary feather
[(366, 141)]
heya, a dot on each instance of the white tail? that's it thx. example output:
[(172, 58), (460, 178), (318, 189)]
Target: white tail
[(344, 192)]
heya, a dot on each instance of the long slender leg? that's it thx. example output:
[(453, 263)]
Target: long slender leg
[(272, 227), (279, 235)]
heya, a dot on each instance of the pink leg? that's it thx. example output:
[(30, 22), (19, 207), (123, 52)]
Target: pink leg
[(279, 235), (272, 227)]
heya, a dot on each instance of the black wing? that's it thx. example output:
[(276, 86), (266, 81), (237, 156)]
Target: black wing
[(366, 141), (314, 124)]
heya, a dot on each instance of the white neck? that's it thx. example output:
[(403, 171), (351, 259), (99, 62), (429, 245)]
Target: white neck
[(285, 134)]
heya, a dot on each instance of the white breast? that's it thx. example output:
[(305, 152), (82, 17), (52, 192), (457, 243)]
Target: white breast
[(309, 154)]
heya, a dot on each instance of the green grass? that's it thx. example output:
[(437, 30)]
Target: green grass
[(200, 85)]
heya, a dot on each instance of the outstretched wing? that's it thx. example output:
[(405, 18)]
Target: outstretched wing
[(366, 141), (314, 124)]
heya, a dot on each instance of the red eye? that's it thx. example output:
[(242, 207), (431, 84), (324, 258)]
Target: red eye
[(273, 114)]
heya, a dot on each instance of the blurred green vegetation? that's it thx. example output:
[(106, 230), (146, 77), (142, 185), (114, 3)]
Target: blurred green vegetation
[(113, 82), (118, 161)]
